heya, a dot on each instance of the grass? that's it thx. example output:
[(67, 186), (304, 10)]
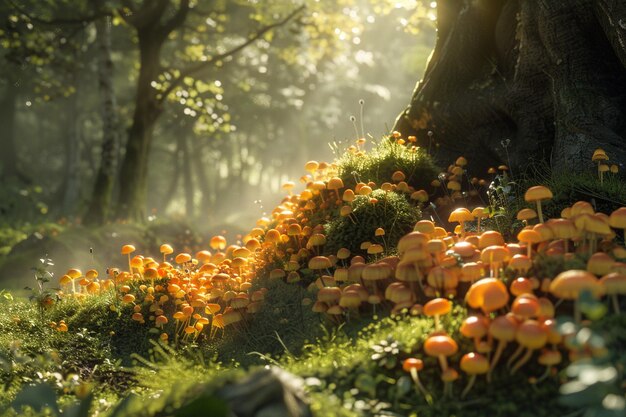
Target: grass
[(354, 369)]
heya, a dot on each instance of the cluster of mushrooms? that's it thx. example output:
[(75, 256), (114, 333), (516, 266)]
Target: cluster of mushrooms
[(428, 271)]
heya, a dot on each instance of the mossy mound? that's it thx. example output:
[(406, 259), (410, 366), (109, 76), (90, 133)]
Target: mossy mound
[(387, 157), (392, 212)]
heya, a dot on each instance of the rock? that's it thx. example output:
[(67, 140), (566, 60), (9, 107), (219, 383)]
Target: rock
[(270, 392)]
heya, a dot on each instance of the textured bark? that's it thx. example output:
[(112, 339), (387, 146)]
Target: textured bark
[(134, 169), (8, 155), (548, 75), (73, 175), (99, 207), (187, 176)]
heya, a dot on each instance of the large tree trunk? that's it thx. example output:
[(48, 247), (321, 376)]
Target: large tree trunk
[(548, 75), (99, 207), (73, 175), (134, 169), (187, 176), (8, 155)]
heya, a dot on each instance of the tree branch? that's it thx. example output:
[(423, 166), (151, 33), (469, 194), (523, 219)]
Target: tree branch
[(148, 14), (59, 21), (193, 69), (178, 19)]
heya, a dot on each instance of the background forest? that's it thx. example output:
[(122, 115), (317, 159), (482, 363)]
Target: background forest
[(191, 111)]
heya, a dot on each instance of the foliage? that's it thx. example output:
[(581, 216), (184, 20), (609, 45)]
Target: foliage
[(43, 297)]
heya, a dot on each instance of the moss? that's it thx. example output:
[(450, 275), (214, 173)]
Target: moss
[(282, 325), (393, 213), (380, 163)]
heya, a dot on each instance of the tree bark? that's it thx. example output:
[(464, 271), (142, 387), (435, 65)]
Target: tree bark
[(8, 155), (548, 75), (73, 175), (202, 180), (187, 177), (99, 207), (134, 169)]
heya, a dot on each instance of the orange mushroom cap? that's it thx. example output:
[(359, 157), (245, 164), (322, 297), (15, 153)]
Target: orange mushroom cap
[(440, 345), (538, 192), (474, 363), (126, 249), (437, 306), (569, 284)]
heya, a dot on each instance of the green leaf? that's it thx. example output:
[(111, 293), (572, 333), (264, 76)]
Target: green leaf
[(38, 397), (205, 405), (366, 383), (403, 386), (81, 409)]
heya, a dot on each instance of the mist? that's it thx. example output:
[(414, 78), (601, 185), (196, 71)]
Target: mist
[(225, 138)]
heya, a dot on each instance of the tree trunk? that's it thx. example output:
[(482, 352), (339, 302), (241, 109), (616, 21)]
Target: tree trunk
[(548, 75), (203, 181), (73, 175), (134, 169), (8, 156), (168, 197), (187, 177), (99, 207)]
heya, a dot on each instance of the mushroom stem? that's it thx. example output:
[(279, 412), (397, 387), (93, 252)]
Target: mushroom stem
[(613, 299), (462, 229), (544, 375), (496, 357), (322, 279), (529, 248), (478, 226), (514, 356), (446, 388), (577, 313), (539, 212), (418, 384), (522, 361), (130, 268), (443, 362), (437, 325), (469, 385)]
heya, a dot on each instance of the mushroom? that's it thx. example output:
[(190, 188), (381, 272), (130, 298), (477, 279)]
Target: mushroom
[(537, 194), (437, 307), (474, 327), (494, 256), (335, 184), (127, 250), (569, 284), (479, 213), (614, 284), (319, 263), (548, 358), (413, 366), (488, 294), (617, 220), (599, 155), (461, 215), (526, 214), (532, 336), (166, 249), (441, 346), (473, 364), (529, 237), (503, 329)]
